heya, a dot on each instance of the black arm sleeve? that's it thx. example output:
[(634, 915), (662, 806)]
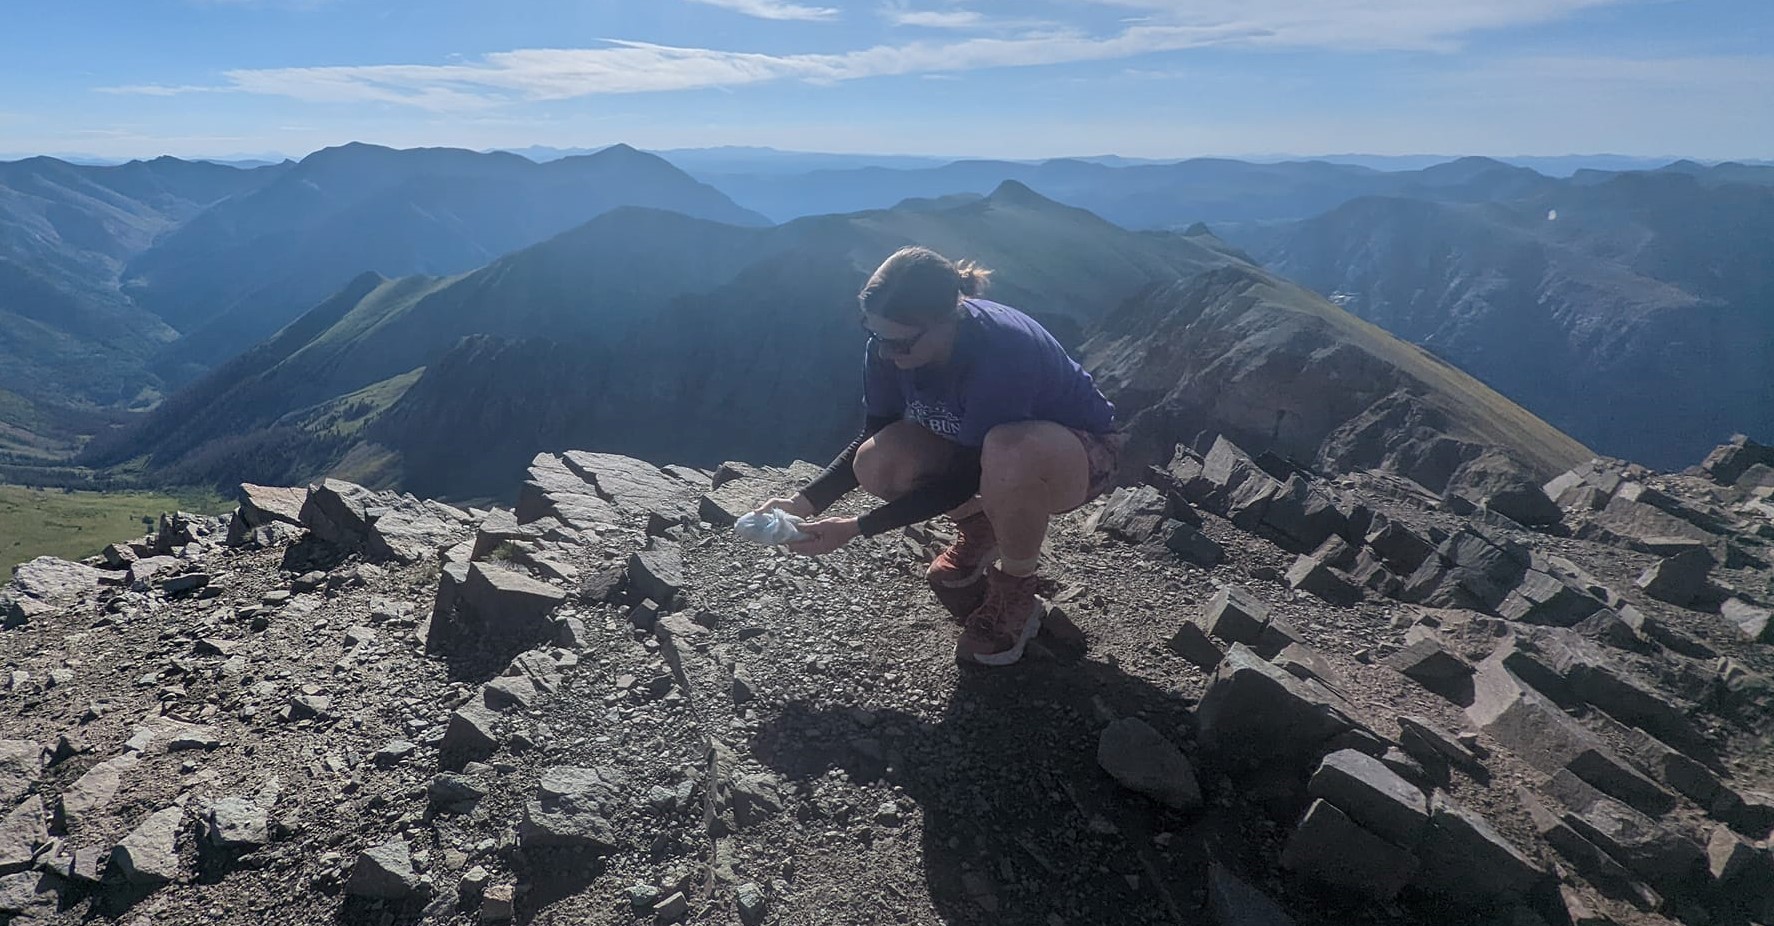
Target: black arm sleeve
[(956, 485), (840, 477)]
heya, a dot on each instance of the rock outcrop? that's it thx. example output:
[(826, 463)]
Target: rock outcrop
[(1376, 705)]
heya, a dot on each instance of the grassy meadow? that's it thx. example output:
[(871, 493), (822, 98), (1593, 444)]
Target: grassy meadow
[(38, 522)]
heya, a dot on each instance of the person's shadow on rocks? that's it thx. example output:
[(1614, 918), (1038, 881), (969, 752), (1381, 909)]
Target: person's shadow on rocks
[(1020, 822)]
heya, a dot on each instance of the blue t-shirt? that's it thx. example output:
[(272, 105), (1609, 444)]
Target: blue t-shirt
[(1005, 367)]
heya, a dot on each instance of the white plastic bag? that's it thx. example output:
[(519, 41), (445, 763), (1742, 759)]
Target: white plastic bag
[(769, 528)]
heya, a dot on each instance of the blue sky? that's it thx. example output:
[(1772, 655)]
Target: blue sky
[(997, 78)]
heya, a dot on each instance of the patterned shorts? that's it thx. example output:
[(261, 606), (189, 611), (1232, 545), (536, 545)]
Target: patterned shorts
[(1103, 451)]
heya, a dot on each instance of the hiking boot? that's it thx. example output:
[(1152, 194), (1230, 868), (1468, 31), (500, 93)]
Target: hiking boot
[(1004, 623), (955, 573), (960, 602)]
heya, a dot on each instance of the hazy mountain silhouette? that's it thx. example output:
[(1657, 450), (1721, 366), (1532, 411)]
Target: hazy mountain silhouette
[(71, 344), (653, 332), (672, 338), (242, 270), (1134, 195), (1631, 310)]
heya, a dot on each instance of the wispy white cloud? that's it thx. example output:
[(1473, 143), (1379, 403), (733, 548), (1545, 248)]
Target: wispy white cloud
[(627, 67), (774, 9), (935, 19), (638, 67), (1360, 24)]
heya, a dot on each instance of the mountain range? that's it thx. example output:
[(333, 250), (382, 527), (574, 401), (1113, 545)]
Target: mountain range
[(666, 337), (74, 349), (120, 282), (1630, 310), (197, 321), (646, 330)]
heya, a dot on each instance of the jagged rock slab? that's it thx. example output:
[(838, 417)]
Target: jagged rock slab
[(1188, 542), (727, 504), (1430, 745), (473, 731), (1193, 643), (143, 571), (1546, 737), (1330, 848), (486, 602), (1728, 462), (1372, 795), (337, 512), (1399, 547), (1523, 719), (417, 531), (1233, 902), (1302, 661), (1470, 569), (1729, 855), (1593, 676), (1543, 598), (1309, 575), (94, 790), (1235, 616), (21, 832), (556, 491), (30, 894), (1336, 553), (1254, 713), (1755, 624), (657, 573), (261, 506), (53, 582), (148, 855), (1300, 516), (1686, 776), (1433, 666), (1596, 866), (570, 810), (1606, 772), (1132, 514), (1222, 472), (635, 486), (236, 823), (21, 764), (1496, 482), (1463, 859), (1626, 516), (1680, 579), (1141, 759), (1654, 852), (384, 872)]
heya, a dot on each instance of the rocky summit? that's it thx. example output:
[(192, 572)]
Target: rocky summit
[(1262, 694)]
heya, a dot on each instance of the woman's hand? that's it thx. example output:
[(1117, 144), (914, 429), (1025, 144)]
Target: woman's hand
[(797, 505), (825, 536)]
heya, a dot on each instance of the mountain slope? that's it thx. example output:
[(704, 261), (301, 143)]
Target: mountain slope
[(653, 331), (242, 270), (1632, 313), (671, 338), (1273, 366), (1136, 196), (71, 343)]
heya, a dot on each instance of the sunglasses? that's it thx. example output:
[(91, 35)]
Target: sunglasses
[(898, 346)]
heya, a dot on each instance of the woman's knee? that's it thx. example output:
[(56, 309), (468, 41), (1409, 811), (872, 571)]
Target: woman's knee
[(1014, 452), (897, 459), (876, 469), (1032, 456)]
